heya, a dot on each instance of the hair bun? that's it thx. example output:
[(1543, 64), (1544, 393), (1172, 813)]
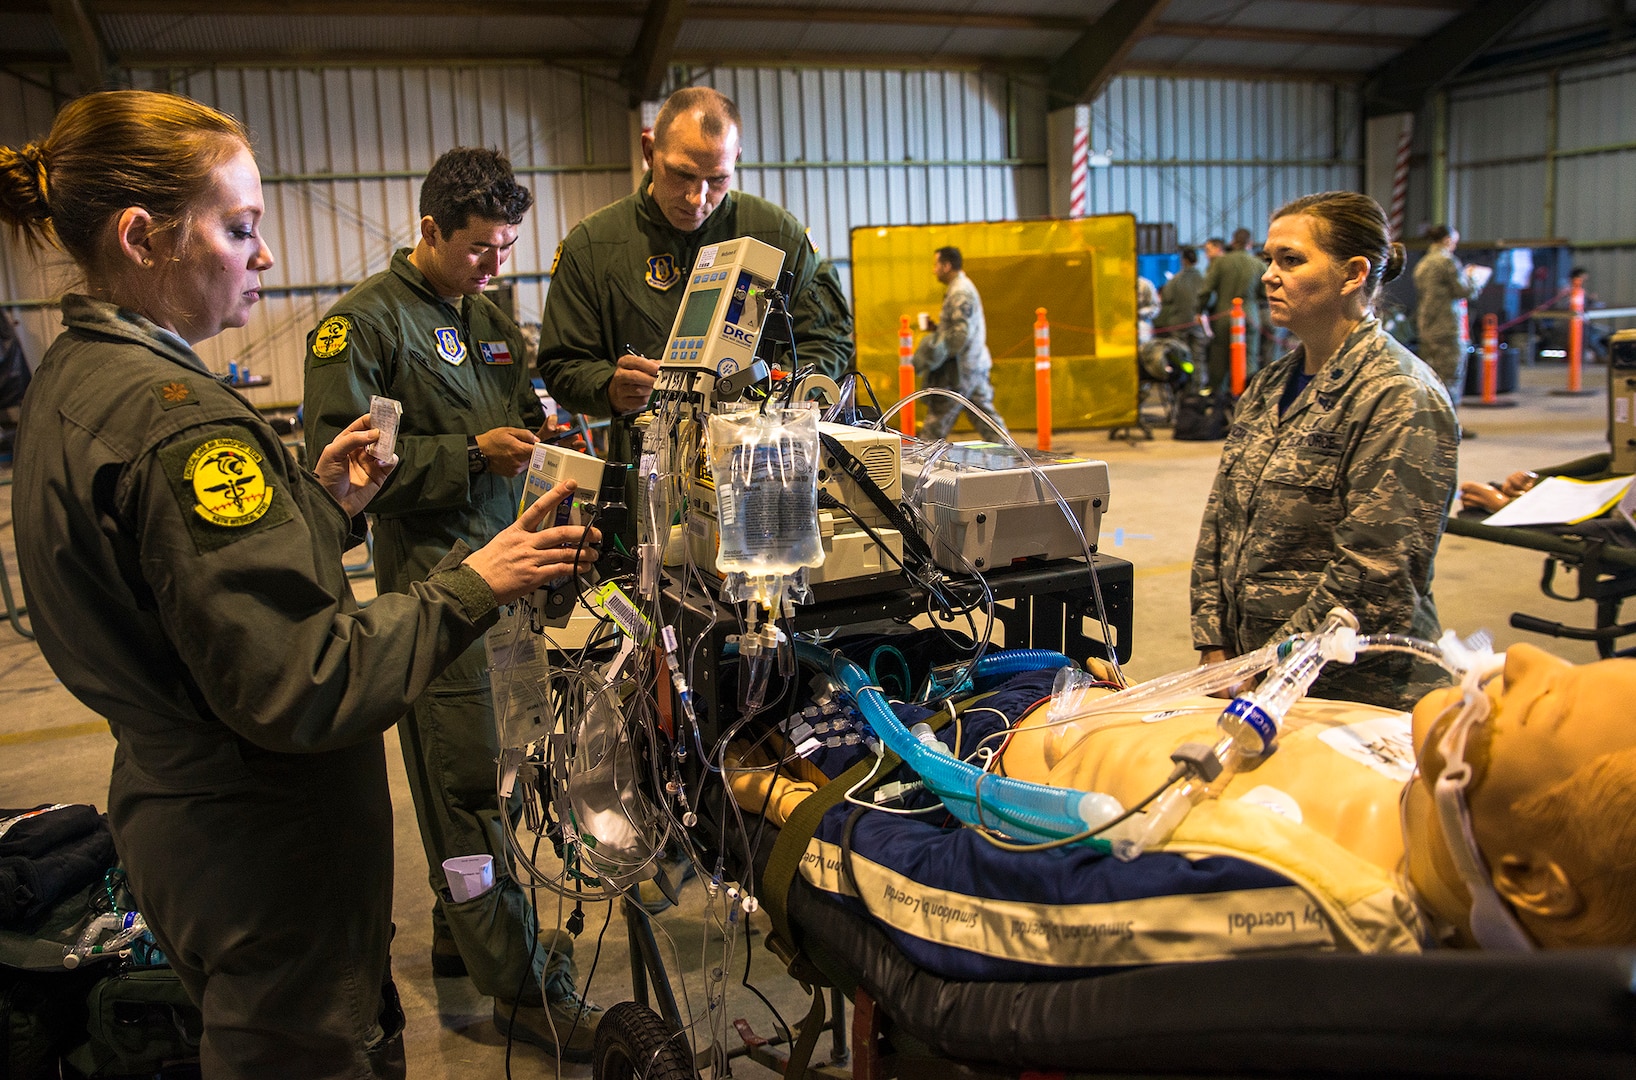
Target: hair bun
[(23, 185), (1395, 261)]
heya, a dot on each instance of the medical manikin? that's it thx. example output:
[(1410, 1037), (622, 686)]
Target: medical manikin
[(1551, 794)]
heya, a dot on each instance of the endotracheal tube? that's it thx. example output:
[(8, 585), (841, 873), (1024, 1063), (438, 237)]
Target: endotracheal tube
[(765, 466)]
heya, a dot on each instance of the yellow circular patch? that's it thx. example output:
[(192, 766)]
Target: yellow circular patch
[(228, 482), (331, 337)]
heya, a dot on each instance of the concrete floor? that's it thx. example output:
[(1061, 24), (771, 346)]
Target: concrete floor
[(54, 749)]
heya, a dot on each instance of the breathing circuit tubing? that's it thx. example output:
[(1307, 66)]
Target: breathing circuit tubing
[(1038, 812)]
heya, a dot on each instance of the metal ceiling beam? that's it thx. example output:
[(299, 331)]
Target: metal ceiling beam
[(85, 49), (886, 17), (584, 9), (1244, 72), (1402, 83), (612, 9), (1081, 72), (1275, 35), (644, 71), (1416, 5)]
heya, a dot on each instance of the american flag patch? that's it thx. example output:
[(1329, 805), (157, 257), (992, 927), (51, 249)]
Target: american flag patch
[(494, 352)]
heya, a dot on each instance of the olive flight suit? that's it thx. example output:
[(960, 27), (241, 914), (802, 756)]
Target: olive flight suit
[(617, 282), (185, 581), (458, 370), (1341, 501), (1232, 274)]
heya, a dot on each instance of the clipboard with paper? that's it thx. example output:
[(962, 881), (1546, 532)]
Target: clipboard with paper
[(1560, 500)]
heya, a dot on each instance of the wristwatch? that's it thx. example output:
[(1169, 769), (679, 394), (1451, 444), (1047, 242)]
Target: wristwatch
[(476, 460)]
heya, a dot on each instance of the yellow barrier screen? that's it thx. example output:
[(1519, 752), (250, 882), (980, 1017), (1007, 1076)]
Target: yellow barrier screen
[(1082, 271)]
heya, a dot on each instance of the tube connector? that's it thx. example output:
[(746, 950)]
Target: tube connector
[(1340, 643)]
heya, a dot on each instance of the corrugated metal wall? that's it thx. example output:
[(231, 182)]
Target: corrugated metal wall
[(1550, 155), (841, 149), (342, 151), (1211, 155)]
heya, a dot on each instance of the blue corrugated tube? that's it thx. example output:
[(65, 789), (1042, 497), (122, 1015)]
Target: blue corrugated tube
[(1018, 808), (1016, 661)]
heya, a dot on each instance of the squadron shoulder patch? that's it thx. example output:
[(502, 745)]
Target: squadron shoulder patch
[(555, 259), (174, 392), (222, 484), (662, 272), (330, 340)]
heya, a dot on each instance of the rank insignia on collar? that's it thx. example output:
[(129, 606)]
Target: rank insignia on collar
[(174, 392), (494, 352), (451, 347), (662, 272)]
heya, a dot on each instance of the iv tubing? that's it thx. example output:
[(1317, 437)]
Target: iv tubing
[(1193, 682)]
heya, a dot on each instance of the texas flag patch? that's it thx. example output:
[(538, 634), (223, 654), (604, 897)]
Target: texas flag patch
[(494, 352)]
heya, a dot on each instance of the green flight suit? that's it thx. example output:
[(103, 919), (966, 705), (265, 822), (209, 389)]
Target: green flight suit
[(184, 577), (1232, 274), (383, 338), (1341, 501), (617, 282)]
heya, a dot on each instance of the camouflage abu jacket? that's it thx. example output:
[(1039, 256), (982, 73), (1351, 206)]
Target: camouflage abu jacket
[(1342, 501)]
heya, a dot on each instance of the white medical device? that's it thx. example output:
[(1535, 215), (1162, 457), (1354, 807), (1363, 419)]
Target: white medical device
[(985, 507), (720, 320)]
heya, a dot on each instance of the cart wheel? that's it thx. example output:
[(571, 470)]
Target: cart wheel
[(633, 1043)]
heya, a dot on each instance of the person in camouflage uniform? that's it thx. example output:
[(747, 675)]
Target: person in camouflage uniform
[(1335, 480), (955, 355), (1234, 274), (1443, 288)]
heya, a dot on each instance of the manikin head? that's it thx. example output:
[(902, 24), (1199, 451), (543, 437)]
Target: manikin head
[(1552, 802)]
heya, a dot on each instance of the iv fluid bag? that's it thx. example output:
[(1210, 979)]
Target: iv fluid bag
[(766, 473)]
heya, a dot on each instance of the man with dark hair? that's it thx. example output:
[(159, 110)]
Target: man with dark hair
[(1232, 274), (422, 332), (618, 277), (955, 354)]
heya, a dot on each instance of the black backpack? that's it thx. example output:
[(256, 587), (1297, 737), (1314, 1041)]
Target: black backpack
[(1202, 417)]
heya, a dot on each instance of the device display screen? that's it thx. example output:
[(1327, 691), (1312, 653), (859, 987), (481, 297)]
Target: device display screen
[(696, 316)]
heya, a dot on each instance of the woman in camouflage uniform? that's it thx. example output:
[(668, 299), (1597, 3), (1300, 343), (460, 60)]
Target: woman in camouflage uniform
[(1335, 480)]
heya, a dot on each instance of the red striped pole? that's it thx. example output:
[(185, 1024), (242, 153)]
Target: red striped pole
[(1079, 174), (1042, 377), (906, 375), (1238, 351), (1400, 175)]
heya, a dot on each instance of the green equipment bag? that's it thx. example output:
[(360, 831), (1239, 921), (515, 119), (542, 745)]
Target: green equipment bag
[(105, 1019), (138, 1022)]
